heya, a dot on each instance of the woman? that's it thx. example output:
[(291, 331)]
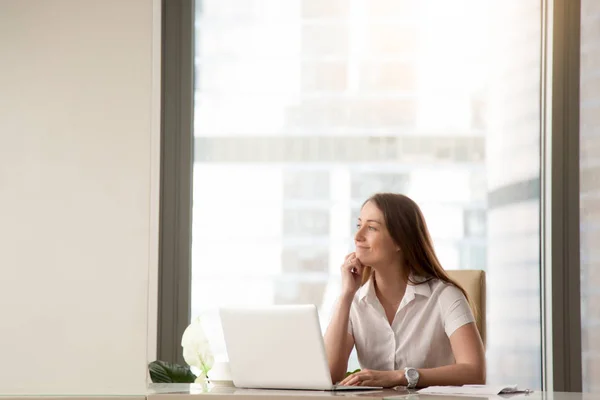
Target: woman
[(410, 323)]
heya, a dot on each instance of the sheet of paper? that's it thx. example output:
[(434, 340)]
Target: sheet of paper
[(470, 389)]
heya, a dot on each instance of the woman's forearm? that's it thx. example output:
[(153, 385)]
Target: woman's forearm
[(336, 339), (450, 375)]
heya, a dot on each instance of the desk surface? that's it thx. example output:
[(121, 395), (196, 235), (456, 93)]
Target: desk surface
[(184, 391)]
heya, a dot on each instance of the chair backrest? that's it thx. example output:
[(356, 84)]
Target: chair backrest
[(473, 281)]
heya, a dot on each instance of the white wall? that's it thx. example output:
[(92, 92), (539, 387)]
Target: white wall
[(79, 158)]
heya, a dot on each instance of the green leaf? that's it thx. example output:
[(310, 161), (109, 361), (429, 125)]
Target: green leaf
[(164, 372), (352, 372)]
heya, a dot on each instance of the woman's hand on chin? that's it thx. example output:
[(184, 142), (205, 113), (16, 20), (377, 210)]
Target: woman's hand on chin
[(351, 271)]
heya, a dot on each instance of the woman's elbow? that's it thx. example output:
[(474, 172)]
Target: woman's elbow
[(471, 374), (478, 375), (337, 374), (479, 380), (336, 371), (335, 378)]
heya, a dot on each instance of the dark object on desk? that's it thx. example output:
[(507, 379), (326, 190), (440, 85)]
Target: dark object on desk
[(164, 372)]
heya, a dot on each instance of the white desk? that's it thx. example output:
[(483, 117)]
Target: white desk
[(185, 391)]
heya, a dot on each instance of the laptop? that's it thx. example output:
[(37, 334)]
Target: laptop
[(277, 347)]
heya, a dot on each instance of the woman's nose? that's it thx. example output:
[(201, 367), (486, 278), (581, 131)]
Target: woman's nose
[(358, 236)]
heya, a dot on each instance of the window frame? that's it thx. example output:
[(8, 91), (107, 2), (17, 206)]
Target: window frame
[(560, 244), (177, 158)]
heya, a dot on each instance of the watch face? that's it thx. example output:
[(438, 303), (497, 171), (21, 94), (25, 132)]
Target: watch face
[(413, 374)]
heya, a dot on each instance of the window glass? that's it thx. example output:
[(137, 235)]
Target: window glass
[(304, 108)]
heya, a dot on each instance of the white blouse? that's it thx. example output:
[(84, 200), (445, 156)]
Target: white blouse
[(419, 335)]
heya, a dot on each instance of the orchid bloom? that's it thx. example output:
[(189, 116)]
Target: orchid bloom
[(196, 349)]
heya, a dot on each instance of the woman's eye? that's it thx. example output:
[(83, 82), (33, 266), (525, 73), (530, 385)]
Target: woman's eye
[(357, 226), (372, 228)]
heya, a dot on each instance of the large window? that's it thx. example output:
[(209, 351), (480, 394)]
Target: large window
[(590, 193), (304, 108)]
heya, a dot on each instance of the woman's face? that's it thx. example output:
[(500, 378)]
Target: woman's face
[(374, 245)]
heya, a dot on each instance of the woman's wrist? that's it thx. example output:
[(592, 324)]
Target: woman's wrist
[(347, 298), (401, 378)]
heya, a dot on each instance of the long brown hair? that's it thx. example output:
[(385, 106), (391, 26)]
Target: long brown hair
[(406, 225)]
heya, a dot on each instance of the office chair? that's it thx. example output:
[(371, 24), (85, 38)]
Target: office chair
[(473, 281)]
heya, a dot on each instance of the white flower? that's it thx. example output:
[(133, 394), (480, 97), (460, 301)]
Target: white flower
[(196, 348)]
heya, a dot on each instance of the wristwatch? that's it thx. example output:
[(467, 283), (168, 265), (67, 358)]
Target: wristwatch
[(412, 377)]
